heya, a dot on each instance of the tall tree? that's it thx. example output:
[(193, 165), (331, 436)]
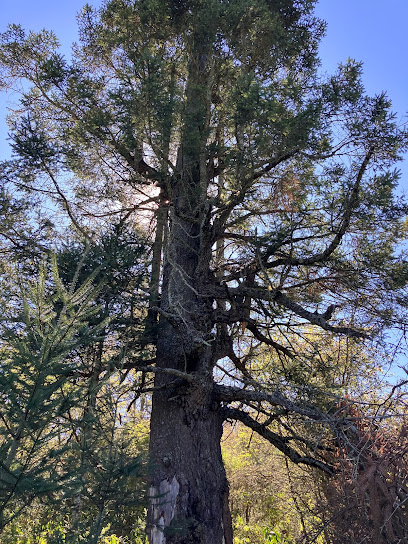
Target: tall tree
[(272, 198)]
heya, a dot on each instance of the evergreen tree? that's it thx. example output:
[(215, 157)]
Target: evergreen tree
[(272, 197), (64, 433), (39, 339)]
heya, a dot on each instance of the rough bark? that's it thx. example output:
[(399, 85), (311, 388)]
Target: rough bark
[(189, 490)]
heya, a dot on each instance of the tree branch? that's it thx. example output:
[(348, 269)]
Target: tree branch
[(315, 318), (139, 366), (350, 206), (280, 442), (273, 295), (268, 341), (246, 184), (227, 393)]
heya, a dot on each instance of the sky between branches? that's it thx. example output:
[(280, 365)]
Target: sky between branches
[(371, 31)]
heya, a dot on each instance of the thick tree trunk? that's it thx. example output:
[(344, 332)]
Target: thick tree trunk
[(189, 490)]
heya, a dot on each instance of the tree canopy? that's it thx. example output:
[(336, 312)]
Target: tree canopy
[(261, 195)]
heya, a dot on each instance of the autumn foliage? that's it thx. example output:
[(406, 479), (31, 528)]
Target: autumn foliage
[(367, 501)]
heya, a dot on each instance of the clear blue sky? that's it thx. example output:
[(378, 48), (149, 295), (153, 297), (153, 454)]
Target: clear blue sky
[(373, 31), (376, 33)]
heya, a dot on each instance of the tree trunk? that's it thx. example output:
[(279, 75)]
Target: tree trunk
[(189, 490)]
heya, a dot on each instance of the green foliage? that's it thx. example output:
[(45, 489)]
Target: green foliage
[(203, 121), (39, 340), (60, 439), (260, 493)]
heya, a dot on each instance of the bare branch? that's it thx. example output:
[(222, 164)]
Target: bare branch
[(268, 341), (280, 442), (316, 318), (230, 394), (276, 296), (139, 366)]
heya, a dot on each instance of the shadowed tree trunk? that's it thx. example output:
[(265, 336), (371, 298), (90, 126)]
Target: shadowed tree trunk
[(274, 192), (189, 491)]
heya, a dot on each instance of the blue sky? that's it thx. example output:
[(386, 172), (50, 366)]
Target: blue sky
[(373, 31), (56, 15)]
